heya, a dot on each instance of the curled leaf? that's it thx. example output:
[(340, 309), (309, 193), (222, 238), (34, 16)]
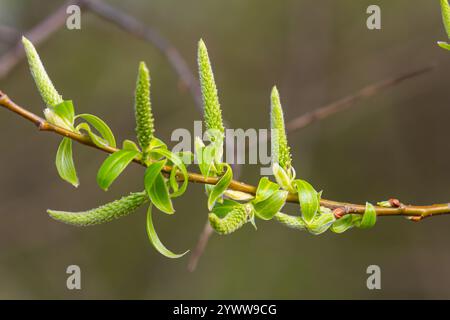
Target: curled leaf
[(65, 164), (220, 187), (178, 165), (102, 128), (113, 166), (154, 239), (159, 194), (322, 222), (105, 213), (268, 207), (265, 189), (343, 224), (308, 198), (369, 217)]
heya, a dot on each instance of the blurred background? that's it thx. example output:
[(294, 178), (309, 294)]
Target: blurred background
[(394, 144)]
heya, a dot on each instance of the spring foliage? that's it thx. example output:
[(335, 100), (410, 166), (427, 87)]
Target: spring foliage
[(166, 176)]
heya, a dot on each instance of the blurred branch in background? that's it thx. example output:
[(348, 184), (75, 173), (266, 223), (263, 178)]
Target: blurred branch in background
[(8, 34)]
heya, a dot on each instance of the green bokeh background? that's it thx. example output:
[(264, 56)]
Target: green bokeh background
[(395, 144)]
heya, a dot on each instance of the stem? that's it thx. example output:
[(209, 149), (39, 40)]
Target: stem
[(418, 212)]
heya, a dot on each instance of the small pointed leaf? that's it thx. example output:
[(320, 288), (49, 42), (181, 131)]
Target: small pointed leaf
[(113, 166), (65, 164), (220, 187), (308, 198)]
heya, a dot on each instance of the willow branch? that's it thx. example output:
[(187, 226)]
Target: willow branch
[(403, 210)]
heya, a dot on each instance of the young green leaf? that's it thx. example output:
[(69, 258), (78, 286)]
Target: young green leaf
[(265, 189), (64, 162), (444, 45), (129, 145), (154, 239), (143, 109), (159, 194), (105, 213), (280, 149), (65, 115), (101, 127), (98, 141), (212, 110), (282, 178), (289, 221), (233, 220), (113, 167), (369, 217), (177, 165), (152, 172), (267, 208), (322, 222), (220, 187), (343, 224), (308, 198), (45, 86)]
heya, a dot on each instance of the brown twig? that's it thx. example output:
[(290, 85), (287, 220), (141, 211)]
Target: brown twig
[(405, 210)]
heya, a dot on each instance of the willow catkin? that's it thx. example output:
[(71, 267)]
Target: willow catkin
[(105, 213), (281, 152), (45, 86), (212, 111), (233, 221), (143, 108)]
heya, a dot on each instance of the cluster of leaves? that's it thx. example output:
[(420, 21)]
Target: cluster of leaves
[(445, 8), (166, 176)]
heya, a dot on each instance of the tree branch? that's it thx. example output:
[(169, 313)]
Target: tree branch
[(346, 208)]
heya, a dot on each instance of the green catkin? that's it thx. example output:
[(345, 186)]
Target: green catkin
[(446, 16), (45, 86), (105, 213), (234, 220), (143, 108), (293, 222), (212, 111), (280, 148)]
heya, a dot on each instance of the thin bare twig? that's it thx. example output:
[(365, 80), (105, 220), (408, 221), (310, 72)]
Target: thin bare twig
[(8, 34), (349, 101)]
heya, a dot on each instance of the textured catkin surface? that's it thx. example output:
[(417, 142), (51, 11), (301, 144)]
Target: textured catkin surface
[(48, 92), (105, 213), (143, 108), (232, 222), (213, 113), (290, 221), (280, 147)]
